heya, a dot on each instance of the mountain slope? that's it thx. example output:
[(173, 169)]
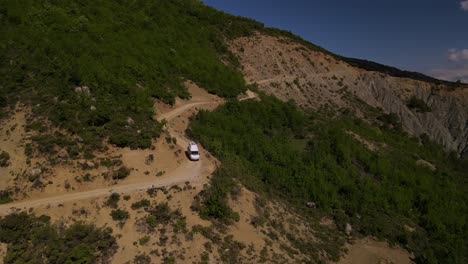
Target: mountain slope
[(95, 97), (89, 67), (316, 80)]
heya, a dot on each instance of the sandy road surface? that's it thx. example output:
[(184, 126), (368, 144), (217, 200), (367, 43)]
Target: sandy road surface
[(186, 172)]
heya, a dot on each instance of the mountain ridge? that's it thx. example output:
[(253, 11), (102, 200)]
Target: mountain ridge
[(313, 79), (302, 153)]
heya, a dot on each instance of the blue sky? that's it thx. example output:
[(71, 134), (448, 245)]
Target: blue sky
[(429, 36)]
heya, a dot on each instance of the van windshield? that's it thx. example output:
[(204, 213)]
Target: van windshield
[(194, 152)]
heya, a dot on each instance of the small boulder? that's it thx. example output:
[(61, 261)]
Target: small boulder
[(89, 164), (92, 108), (78, 89), (130, 121), (311, 205), (63, 154), (348, 229), (423, 163), (35, 172), (85, 90)]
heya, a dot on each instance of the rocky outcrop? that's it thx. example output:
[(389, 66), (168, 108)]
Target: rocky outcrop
[(315, 80)]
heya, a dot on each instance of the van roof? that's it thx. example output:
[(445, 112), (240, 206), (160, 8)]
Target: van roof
[(193, 146)]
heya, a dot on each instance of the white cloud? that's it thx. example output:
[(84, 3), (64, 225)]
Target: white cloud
[(458, 54), (452, 74), (464, 5), (457, 70)]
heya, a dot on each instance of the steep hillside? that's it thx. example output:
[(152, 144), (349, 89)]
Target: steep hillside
[(90, 67), (375, 180), (99, 100), (316, 80)]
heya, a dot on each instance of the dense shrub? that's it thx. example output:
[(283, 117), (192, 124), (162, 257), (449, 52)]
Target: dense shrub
[(212, 202), (34, 239), (5, 197), (418, 104), (4, 159), (142, 259), (390, 121), (162, 214), (142, 203), (119, 215), (121, 173), (283, 153), (113, 200)]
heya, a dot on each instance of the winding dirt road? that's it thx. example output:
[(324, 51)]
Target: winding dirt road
[(187, 171)]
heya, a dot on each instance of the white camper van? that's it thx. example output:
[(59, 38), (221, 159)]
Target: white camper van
[(192, 151)]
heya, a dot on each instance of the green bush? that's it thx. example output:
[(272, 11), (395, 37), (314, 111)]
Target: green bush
[(390, 121), (5, 197), (119, 215), (4, 159), (113, 200), (212, 202), (142, 203), (142, 259), (418, 104), (162, 214), (121, 173), (34, 239)]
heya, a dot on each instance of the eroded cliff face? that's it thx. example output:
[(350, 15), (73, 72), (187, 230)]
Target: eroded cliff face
[(315, 80)]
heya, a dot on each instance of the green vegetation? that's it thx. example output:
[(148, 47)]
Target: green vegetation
[(4, 159), (49, 145), (295, 157), (419, 105), (34, 239), (142, 203), (119, 215), (5, 197), (144, 240), (162, 214), (390, 121), (212, 202), (88, 67), (142, 259), (121, 173), (113, 200)]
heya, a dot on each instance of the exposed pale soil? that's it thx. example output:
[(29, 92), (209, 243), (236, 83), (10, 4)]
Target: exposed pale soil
[(368, 251), (372, 146), (315, 80)]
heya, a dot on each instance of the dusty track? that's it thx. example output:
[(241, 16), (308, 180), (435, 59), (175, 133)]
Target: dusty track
[(185, 172)]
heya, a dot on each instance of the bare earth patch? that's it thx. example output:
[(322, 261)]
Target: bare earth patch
[(369, 251)]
